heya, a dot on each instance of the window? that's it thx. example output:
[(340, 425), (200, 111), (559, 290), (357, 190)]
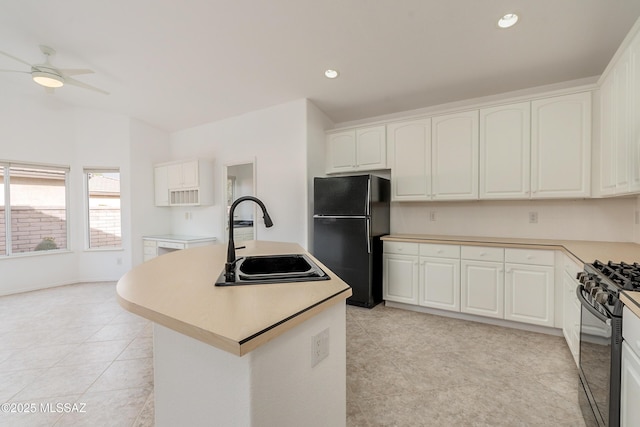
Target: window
[(33, 200), (103, 202)]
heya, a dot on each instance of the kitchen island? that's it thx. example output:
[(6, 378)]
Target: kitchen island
[(240, 355)]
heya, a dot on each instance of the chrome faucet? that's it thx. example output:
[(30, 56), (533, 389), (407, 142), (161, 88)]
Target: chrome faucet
[(231, 249)]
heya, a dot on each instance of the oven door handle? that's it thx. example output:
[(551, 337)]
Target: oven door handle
[(585, 304)]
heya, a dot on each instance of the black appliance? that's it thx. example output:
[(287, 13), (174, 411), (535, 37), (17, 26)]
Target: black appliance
[(601, 338), (351, 213)]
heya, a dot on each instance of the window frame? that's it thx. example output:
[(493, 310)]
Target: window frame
[(87, 208), (6, 170)]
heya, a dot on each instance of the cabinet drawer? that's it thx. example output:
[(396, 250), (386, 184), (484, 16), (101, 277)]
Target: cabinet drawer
[(631, 329), (439, 251), (149, 250), (529, 256), (401, 248), (482, 253), (150, 243), (171, 245)]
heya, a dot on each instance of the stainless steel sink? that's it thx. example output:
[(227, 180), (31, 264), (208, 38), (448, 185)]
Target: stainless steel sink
[(265, 269)]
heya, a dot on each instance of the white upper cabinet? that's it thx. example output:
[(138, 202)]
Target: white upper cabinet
[(616, 129), (634, 115), (409, 154), (454, 150), (505, 151), (341, 151), (184, 183), (357, 149), (183, 175), (561, 146)]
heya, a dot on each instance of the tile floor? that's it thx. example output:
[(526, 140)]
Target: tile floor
[(76, 347)]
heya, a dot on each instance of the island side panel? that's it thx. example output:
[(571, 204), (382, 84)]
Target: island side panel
[(200, 385), (196, 384), (287, 390)]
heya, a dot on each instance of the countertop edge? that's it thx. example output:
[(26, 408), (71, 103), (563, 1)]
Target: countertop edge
[(251, 343), (184, 328), (631, 299)]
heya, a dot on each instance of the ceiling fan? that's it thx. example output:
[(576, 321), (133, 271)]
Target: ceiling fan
[(51, 77)]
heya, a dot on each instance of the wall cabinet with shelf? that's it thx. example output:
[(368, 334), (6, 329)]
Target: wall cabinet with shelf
[(356, 150), (184, 183)]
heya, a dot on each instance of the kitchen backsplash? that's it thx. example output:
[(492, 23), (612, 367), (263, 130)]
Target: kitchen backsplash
[(611, 219)]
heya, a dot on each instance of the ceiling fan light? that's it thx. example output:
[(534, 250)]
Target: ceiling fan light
[(47, 79), (508, 20)]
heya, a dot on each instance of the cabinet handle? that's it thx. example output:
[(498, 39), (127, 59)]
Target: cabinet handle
[(439, 251), (483, 253)]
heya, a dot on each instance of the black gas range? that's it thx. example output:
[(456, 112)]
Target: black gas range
[(601, 337)]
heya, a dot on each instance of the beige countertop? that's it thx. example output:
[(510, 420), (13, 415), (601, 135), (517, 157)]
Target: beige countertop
[(582, 251), (177, 290)]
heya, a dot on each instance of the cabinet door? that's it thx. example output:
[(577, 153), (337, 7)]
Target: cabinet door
[(161, 185), (529, 294), (440, 283), (400, 278), (607, 155), (341, 151), (371, 148), (482, 288), (561, 146), (571, 315), (634, 115), (622, 124), (630, 387), (190, 174), (175, 175), (409, 155), (505, 143), (454, 147)]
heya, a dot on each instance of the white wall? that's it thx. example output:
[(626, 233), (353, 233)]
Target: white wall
[(276, 138), (317, 123), (148, 147), (595, 219), (40, 129)]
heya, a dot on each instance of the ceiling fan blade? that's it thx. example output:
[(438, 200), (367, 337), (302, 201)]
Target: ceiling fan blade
[(78, 83), (14, 71), (16, 58), (75, 71)]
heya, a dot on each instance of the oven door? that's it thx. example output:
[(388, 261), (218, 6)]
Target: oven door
[(595, 364)]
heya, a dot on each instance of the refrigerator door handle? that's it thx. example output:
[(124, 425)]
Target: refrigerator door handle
[(368, 236), (367, 202)]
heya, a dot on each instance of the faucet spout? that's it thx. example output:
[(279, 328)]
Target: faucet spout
[(231, 249)]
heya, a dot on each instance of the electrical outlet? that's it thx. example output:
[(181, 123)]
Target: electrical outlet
[(432, 216), (533, 217), (119, 261), (319, 347)]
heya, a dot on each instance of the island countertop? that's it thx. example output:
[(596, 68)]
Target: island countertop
[(177, 291)]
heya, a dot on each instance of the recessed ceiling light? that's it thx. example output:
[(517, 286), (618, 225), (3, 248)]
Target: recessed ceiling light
[(331, 74), (508, 20)]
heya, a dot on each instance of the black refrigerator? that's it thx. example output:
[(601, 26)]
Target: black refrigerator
[(350, 214)]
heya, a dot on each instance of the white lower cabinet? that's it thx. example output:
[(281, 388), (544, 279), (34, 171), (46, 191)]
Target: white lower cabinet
[(473, 280), (440, 276), (482, 288), (400, 272), (529, 293), (571, 308), (630, 375)]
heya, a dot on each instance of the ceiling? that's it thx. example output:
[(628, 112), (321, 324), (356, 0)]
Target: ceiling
[(178, 64)]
